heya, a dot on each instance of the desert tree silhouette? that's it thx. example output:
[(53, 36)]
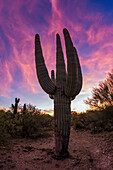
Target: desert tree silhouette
[(102, 95)]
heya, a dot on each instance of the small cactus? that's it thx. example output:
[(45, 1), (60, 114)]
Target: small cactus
[(24, 107), (16, 106), (63, 89)]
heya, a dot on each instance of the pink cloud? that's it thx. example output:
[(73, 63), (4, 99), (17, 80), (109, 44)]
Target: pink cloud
[(101, 57), (5, 78), (98, 65), (25, 60), (100, 34)]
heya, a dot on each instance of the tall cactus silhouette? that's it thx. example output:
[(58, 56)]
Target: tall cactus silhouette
[(63, 89)]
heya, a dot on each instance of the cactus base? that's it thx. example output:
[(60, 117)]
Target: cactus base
[(62, 151)]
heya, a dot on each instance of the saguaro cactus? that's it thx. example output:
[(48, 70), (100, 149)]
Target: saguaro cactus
[(16, 105), (24, 107), (63, 89)]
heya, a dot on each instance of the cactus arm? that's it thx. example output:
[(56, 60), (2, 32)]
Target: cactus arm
[(60, 64), (52, 76), (72, 67), (13, 106), (47, 85), (79, 73), (17, 100), (53, 80)]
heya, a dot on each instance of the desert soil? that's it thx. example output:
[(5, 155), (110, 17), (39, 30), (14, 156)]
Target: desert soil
[(87, 152)]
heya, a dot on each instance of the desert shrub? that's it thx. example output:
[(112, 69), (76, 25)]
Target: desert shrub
[(14, 125), (73, 118), (95, 120), (36, 125), (26, 124), (4, 135), (46, 121)]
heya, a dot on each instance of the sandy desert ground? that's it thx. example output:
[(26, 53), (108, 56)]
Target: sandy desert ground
[(87, 152)]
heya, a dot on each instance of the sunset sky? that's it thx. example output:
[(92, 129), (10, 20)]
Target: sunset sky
[(90, 23)]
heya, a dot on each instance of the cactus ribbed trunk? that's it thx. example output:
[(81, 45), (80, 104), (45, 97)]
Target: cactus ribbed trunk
[(63, 89), (62, 117)]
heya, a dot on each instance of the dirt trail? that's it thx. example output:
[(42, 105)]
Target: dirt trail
[(87, 152)]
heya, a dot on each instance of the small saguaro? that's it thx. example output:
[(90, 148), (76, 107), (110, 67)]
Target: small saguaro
[(24, 107), (15, 106), (62, 89)]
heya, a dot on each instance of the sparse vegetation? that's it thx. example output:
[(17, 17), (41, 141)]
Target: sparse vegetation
[(94, 120), (36, 125), (4, 135), (25, 124), (100, 116)]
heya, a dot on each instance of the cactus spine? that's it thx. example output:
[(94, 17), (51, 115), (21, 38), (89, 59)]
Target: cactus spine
[(16, 106), (63, 89)]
